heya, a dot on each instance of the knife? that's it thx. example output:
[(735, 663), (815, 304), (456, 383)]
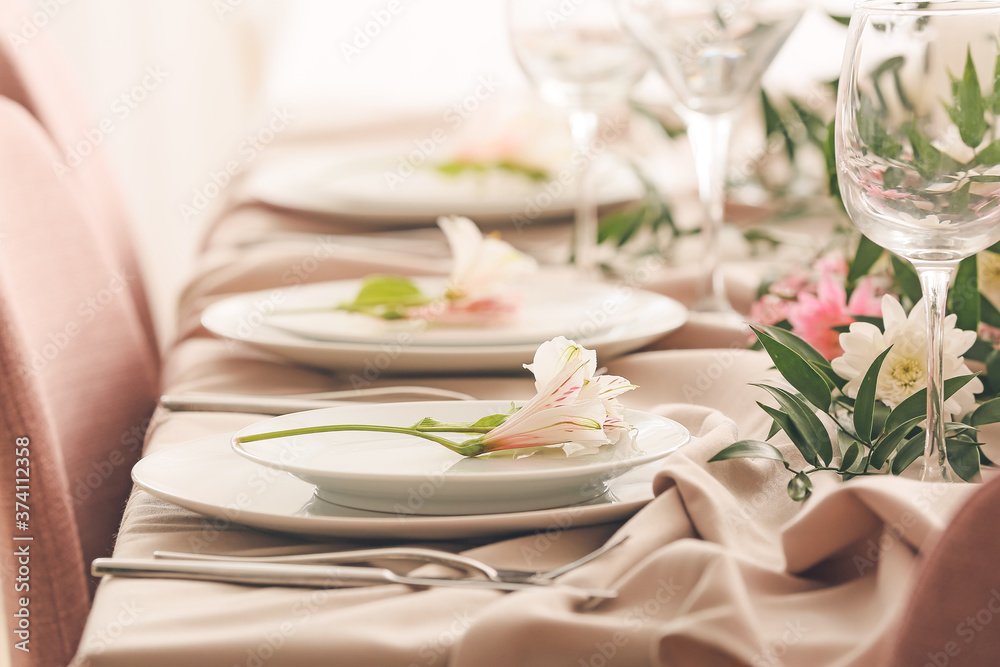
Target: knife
[(311, 576), (259, 405)]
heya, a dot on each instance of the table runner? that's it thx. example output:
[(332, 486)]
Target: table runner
[(721, 568)]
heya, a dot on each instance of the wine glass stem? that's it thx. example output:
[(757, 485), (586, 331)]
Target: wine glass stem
[(709, 137), (934, 280), (583, 125)]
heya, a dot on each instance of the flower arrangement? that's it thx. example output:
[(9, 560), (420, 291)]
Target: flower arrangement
[(573, 408), (865, 367), (872, 399), (482, 267)]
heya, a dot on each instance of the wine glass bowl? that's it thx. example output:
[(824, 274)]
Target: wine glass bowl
[(918, 150), (712, 53), (590, 67), (579, 59)]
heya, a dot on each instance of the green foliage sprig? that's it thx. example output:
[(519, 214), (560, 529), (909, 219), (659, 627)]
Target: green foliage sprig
[(868, 438)]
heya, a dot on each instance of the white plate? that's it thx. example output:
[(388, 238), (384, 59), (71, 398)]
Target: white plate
[(546, 309), (359, 188), (244, 318), (207, 477), (398, 473)]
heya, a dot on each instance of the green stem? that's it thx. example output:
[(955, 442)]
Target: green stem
[(465, 449)]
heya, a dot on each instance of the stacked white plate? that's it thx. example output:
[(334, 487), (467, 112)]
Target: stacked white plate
[(303, 324)]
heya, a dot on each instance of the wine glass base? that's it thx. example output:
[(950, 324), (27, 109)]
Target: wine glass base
[(936, 473)]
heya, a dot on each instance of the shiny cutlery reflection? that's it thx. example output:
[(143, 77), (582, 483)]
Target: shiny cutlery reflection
[(280, 405), (313, 576), (411, 554)]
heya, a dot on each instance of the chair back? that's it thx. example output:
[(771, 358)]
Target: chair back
[(78, 383), (953, 615)]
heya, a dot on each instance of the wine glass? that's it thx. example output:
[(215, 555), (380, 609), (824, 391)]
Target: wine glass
[(579, 59), (713, 54), (917, 151)]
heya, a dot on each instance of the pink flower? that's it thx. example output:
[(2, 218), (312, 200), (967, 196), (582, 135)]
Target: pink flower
[(813, 318), (769, 309), (484, 311), (571, 404)]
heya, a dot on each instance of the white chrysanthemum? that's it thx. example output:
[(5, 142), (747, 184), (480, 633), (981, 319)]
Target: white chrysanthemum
[(904, 371), (988, 264)]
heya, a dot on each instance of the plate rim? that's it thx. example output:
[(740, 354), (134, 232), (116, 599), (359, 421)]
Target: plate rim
[(396, 526), (274, 340), (595, 469)]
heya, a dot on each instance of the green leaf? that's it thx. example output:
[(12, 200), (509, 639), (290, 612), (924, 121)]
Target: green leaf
[(864, 404), (781, 421), (968, 110), (965, 295), (842, 20), (989, 155), (987, 413), (906, 279), (808, 435), (888, 444), (916, 405), (867, 253), (797, 371), (996, 89), (793, 342), (909, 452), (851, 456), (749, 449), (491, 421), (800, 487), (873, 133), (964, 459), (959, 199), (830, 156), (988, 313), (389, 291)]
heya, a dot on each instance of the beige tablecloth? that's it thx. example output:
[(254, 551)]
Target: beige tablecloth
[(721, 568)]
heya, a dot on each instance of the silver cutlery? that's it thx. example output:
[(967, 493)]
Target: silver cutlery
[(411, 554), (314, 576), (280, 405)]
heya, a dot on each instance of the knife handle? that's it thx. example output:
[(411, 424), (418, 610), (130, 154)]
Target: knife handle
[(255, 574)]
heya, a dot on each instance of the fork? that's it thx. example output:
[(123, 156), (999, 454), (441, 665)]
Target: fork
[(458, 561), (279, 405)]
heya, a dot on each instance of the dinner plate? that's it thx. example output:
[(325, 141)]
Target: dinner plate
[(393, 472), (626, 322), (207, 477), (375, 190), (545, 309)]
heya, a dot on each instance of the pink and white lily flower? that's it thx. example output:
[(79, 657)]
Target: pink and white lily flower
[(571, 403), (482, 266)]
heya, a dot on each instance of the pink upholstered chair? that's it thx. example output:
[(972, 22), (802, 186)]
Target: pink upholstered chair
[(34, 74), (77, 384), (953, 615)]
